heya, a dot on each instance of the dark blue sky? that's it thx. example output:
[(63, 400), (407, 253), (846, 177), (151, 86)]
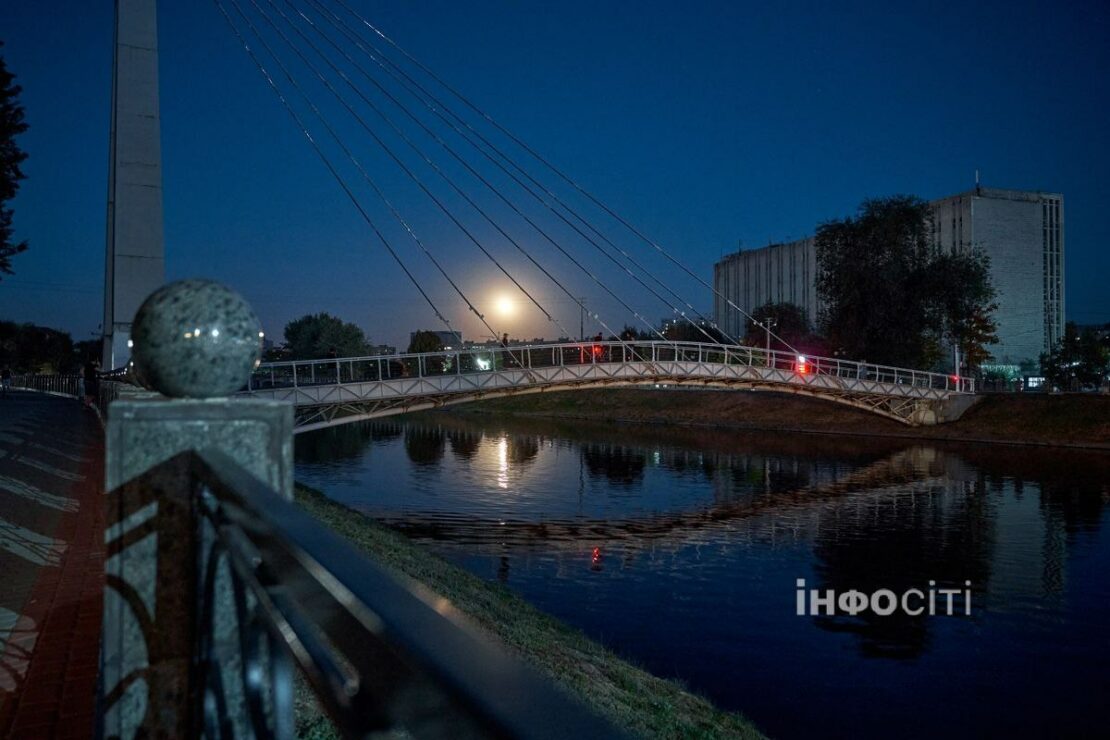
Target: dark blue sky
[(703, 122)]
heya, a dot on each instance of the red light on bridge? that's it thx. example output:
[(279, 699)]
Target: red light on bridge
[(802, 366)]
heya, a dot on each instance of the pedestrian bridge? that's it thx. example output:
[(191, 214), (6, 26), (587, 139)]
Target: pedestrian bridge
[(341, 390)]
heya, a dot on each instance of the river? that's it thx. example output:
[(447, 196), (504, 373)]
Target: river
[(681, 550)]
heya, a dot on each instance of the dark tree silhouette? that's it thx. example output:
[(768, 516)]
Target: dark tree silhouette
[(11, 156), (36, 349), (1078, 359), (321, 335), (425, 341), (890, 296), (789, 324)]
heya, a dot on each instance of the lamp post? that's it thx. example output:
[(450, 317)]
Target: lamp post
[(766, 326)]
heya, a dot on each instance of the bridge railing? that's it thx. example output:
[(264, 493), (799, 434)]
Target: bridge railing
[(249, 589), (300, 373), (72, 386)]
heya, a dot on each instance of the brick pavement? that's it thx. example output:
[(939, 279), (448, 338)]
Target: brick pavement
[(51, 565)]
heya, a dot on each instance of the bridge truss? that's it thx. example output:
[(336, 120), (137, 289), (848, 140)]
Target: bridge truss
[(337, 391)]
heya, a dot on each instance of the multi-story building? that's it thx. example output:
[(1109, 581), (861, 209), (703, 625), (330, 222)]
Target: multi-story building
[(1022, 233), (778, 273)]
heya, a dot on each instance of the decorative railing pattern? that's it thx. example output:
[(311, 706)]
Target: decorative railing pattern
[(273, 591), (468, 361)]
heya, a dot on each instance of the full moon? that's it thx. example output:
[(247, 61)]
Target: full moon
[(505, 306)]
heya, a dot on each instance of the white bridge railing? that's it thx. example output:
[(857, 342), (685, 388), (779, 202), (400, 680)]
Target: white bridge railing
[(477, 360)]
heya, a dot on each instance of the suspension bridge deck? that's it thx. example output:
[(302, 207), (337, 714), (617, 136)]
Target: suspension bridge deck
[(341, 390)]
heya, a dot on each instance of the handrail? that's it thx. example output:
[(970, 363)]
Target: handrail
[(378, 651), (71, 386), (528, 356)]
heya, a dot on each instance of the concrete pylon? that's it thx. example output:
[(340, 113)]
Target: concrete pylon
[(135, 253)]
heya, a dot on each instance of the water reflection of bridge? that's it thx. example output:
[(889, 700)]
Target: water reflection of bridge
[(779, 504), (876, 514), (782, 484)]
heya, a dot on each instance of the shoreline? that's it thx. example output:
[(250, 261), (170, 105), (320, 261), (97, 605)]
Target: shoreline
[(1077, 422), (796, 430), (642, 703)]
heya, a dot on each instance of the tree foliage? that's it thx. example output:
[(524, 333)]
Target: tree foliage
[(316, 336), (27, 348), (11, 156), (789, 327), (1078, 360), (891, 297), (632, 334), (425, 341), (960, 301), (687, 331)]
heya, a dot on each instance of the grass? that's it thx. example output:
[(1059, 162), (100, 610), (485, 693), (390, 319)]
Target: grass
[(1076, 420), (632, 698)]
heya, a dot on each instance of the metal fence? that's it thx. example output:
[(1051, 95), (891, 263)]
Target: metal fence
[(249, 589), (490, 359), (72, 386)]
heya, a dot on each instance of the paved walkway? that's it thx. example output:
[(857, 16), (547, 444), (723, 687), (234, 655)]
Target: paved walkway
[(51, 565)]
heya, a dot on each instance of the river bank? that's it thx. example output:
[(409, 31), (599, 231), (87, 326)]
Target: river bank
[(1069, 420), (630, 697)]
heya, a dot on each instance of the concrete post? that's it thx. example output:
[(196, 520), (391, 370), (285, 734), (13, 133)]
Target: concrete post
[(192, 339)]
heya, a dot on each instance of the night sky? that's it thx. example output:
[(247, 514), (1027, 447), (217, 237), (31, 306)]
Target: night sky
[(704, 123)]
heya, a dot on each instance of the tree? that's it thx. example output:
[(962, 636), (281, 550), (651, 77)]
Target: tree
[(11, 156), (27, 348), (961, 304), (1077, 360), (890, 297), (425, 341), (87, 350), (789, 327), (686, 330), (316, 336), (632, 334)]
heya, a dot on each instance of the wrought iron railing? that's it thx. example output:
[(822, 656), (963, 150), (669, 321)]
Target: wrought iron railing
[(250, 589), (488, 359)]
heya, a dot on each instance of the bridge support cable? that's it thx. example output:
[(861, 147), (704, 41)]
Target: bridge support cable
[(408, 171), (420, 153), (427, 191), (439, 140), (365, 175), (441, 110), (547, 163), (329, 165), (337, 23)]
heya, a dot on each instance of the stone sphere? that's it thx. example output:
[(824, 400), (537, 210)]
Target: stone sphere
[(195, 339)]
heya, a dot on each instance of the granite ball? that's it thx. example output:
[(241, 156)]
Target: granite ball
[(195, 339)]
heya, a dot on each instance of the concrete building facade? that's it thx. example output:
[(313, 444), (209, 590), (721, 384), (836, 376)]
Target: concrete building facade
[(1021, 232), (779, 273)]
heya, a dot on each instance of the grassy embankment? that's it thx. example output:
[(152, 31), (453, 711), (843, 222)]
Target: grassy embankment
[(1076, 420), (629, 696)]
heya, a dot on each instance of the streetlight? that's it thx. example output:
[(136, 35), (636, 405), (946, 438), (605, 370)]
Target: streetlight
[(766, 325)]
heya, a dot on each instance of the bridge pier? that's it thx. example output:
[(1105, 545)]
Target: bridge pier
[(931, 413)]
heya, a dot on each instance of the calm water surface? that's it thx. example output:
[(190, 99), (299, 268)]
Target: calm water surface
[(680, 549)]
